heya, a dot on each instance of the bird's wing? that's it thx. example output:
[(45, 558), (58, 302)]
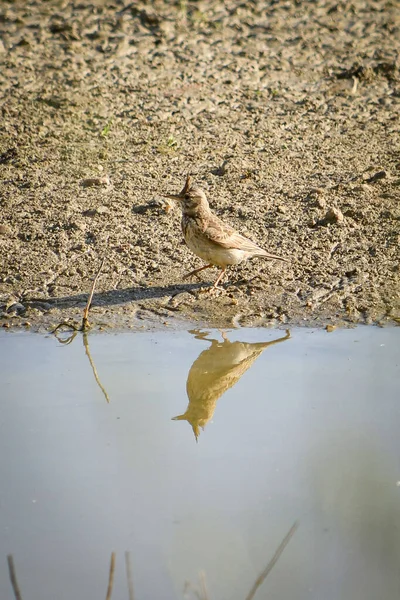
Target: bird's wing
[(225, 236)]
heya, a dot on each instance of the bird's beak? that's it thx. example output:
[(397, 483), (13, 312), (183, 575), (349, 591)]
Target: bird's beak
[(173, 196)]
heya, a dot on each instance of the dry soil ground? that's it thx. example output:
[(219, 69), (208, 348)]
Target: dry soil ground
[(286, 113)]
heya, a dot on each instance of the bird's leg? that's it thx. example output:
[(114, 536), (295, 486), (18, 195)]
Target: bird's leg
[(220, 276), (197, 271)]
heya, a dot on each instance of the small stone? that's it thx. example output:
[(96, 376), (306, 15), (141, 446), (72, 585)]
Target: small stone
[(17, 309), (5, 230), (95, 181), (330, 328), (317, 194), (102, 210), (333, 215)]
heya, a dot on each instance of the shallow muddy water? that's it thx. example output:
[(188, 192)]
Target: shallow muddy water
[(305, 430)]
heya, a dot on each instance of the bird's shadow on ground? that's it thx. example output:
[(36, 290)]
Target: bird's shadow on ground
[(114, 297)]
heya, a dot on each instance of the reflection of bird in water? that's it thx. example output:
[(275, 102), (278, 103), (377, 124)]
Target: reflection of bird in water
[(215, 371)]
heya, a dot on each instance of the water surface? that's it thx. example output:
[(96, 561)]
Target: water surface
[(303, 430)]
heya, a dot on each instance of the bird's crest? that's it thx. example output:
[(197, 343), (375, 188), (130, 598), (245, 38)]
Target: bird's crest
[(187, 185)]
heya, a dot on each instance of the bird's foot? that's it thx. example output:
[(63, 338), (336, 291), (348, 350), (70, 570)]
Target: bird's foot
[(212, 291)]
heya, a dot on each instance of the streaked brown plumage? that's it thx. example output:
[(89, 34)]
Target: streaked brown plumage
[(209, 237)]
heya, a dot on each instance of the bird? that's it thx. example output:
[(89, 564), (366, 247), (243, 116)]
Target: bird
[(214, 241)]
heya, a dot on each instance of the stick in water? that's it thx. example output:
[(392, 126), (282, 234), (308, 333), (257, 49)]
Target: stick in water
[(111, 576), (13, 577), (261, 578)]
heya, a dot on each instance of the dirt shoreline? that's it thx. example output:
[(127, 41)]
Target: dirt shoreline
[(286, 114)]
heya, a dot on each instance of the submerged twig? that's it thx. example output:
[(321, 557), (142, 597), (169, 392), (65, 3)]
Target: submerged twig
[(129, 575), (13, 577), (261, 578), (203, 585), (111, 576), (201, 593)]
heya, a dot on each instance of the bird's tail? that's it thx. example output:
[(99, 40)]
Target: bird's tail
[(265, 254)]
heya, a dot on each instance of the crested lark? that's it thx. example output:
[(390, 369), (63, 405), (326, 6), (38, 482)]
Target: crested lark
[(210, 238)]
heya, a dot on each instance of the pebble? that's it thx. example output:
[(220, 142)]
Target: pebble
[(95, 181), (333, 215), (5, 230), (317, 194), (102, 210), (16, 308)]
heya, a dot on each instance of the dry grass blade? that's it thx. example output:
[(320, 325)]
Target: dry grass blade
[(261, 578), (111, 576), (13, 577), (129, 575)]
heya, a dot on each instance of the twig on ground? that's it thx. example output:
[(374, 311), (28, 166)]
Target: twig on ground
[(261, 578), (129, 575), (85, 319), (13, 577), (111, 576)]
